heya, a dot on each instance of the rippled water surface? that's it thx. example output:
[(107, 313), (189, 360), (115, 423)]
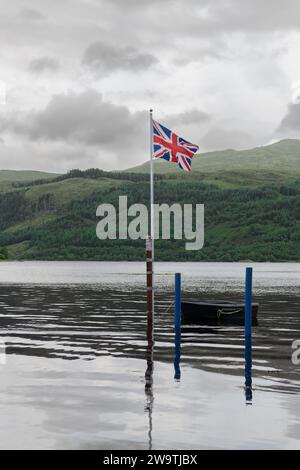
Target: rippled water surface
[(76, 357)]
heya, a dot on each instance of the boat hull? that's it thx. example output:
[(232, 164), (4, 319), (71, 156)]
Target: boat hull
[(216, 313)]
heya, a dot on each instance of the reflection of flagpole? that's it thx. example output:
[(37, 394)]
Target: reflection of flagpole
[(149, 385)]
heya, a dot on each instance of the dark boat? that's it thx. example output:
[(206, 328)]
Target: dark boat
[(216, 312)]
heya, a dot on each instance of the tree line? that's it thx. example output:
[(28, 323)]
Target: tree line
[(259, 223)]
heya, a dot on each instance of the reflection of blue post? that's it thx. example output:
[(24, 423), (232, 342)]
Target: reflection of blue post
[(177, 325), (248, 336), (248, 370)]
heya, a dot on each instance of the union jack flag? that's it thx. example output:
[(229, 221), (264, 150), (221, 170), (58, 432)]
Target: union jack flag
[(171, 147)]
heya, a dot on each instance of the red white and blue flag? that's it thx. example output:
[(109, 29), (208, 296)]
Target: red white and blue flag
[(171, 147)]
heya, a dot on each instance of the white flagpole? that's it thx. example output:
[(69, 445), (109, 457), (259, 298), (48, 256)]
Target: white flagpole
[(151, 184), (150, 247)]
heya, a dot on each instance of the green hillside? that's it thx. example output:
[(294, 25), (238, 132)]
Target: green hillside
[(25, 175), (250, 213), (279, 158), (9, 178)]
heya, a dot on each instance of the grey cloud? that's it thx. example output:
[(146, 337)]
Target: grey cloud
[(31, 14), (138, 3), (42, 64), (260, 16), (214, 17), (84, 118), (217, 49), (104, 58), (219, 138), (203, 29), (290, 124), (56, 156), (190, 117)]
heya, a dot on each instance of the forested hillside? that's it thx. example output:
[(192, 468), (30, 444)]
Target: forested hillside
[(252, 215)]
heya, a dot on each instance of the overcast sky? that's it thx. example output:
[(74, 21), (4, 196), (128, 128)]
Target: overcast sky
[(79, 76)]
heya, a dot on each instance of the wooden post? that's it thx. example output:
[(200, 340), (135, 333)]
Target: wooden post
[(150, 291)]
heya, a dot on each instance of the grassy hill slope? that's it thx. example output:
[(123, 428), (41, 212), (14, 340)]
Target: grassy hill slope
[(249, 213), (25, 175), (8, 178), (279, 158)]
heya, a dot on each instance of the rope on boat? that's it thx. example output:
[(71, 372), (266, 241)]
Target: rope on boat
[(227, 312), (168, 308), (220, 311)]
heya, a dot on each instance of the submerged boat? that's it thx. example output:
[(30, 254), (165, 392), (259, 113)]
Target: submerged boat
[(216, 312)]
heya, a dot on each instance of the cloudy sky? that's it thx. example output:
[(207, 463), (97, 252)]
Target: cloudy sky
[(78, 77)]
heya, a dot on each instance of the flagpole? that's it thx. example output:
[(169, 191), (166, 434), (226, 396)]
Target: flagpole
[(150, 290), (150, 245), (151, 184)]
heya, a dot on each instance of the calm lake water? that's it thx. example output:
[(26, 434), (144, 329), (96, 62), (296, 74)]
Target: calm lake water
[(76, 357)]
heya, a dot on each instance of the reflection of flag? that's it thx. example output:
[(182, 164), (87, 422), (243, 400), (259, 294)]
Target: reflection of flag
[(171, 147)]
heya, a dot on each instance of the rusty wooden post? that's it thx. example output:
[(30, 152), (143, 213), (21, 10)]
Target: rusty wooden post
[(150, 291)]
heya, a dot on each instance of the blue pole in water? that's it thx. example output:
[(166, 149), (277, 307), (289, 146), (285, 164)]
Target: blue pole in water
[(248, 336), (177, 325), (248, 303), (177, 300)]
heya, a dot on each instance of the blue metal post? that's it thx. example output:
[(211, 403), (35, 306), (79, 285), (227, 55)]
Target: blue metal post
[(177, 325), (248, 303), (248, 336), (177, 300)]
